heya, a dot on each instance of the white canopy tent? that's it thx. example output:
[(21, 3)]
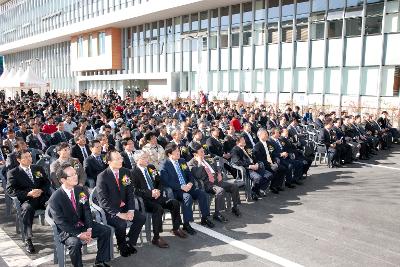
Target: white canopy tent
[(4, 78), (16, 81)]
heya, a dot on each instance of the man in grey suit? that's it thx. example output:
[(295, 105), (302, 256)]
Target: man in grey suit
[(208, 173), (64, 152)]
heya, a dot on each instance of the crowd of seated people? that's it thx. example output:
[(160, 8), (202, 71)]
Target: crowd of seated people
[(167, 153)]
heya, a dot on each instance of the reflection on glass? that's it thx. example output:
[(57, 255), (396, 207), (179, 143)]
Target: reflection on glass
[(204, 20), (247, 34), (235, 36), (351, 3), (303, 7), (273, 33), (247, 12), (185, 23), (273, 10), (224, 16), (317, 30), (260, 10), (287, 8), (214, 18), (223, 39), (235, 14), (302, 32), (353, 27), (373, 25), (259, 33), (318, 5), (335, 28), (375, 9), (336, 4), (195, 22)]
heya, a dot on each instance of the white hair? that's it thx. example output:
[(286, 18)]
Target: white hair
[(139, 154)]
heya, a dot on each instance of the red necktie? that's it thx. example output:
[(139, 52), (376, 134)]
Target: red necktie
[(209, 173), (73, 201), (117, 179)]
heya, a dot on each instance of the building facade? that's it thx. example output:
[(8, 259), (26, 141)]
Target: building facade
[(324, 52)]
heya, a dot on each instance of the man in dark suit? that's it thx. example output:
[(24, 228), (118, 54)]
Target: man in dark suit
[(208, 173), (81, 149), (115, 196), (319, 122), (325, 138), (272, 122), (23, 131), (147, 185), (37, 139), (261, 154), (61, 135), (127, 154), (95, 163), (229, 140), (256, 170), (175, 174), (69, 208), (30, 184), (248, 136), (294, 168)]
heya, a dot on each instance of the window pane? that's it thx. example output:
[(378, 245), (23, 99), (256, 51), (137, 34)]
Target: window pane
[(223, 41), (353, 27), (317, 30), (213, 40), (287, 34), (259, 33), (302, 32), (247, 34), (335, 29), (336, 4), (195, 21), (273, 34), (177, 24), (373, 25), (376, 9), (224, 16), (318, 5), (287, 8), (214, 18), (235, 37), (185, 23), (351, 3), (204, 20), (260, 10), (273, 10), (303, 8), (235, 14), (247, 12)]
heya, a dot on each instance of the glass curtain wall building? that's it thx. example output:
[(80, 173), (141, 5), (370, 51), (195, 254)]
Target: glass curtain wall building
[(327, 52)]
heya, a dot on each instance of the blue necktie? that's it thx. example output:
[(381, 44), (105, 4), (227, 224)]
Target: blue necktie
[(148, 179), (279, 144), (180, 175)]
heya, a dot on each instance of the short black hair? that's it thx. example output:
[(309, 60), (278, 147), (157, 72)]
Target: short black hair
[(171, 147), (62, 145), (196, 147), (149, 135), (108, 154), (60, 172), (93, 142), (20, 153)]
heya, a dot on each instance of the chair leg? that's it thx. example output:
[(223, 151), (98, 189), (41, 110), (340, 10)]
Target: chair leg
[(112, 244), (148, 227), (8, 205)]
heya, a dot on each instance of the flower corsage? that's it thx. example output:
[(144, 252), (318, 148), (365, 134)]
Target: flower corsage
[(126, 180), (83, 198)]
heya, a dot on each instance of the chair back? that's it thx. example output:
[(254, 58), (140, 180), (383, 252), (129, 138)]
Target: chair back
[(51, 151), (44, 162), (93, 201)]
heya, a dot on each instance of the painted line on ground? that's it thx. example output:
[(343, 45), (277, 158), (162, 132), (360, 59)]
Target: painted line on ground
[(246, 247), (11, 253), (379, 166)]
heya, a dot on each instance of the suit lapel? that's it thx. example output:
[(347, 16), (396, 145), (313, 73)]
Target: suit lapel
[(68, 199), (26, 175)]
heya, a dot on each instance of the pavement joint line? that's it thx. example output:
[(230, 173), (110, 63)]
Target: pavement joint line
[(379, 166), (246, 247)]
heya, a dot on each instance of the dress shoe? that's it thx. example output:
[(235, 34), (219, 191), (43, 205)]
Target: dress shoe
[(179, 233), (206, 222), (220, 218), (124, 252), (274, 190), (254, 196), (160, 243), (236, 211), (261, 193), (29, 246), (101, 264), (298, 182), (290, 185), (189, 229), (132, 249)]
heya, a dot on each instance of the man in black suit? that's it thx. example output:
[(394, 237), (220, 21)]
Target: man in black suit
[(261, 154), (69, 208), (127, 153), (215, 148), (272, 122), (23, 131), (175, 174), (37, 139), (61, 135), (208, 173), (115, 196), (319, 122), (248, 136), (255, 170), (147, 185), (81, 149), (325, 138), (229, 140), (95, 163), (30, 184)]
